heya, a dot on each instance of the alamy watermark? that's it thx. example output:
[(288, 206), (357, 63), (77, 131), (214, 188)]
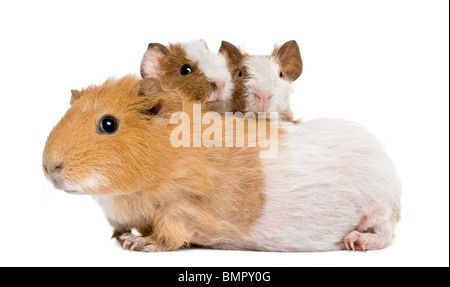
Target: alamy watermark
[(231, 130)]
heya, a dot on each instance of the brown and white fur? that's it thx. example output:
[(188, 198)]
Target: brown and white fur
[(330, 187), (263, 83), (208, 83)]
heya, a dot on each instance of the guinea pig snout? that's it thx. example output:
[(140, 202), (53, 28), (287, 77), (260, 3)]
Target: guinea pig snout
[(262, 101), (53, 171), (53, 167), (217, 91)]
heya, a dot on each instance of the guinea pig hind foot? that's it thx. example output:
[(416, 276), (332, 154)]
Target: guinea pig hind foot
[(379, 237), (357, 241), (135, 243)]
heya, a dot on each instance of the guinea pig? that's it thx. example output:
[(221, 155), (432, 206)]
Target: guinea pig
[(263, 83), (331, 185), (191, 69)]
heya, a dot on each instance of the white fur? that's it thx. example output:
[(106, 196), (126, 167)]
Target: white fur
[(212, 65), (94, 182), (91, 183), (107, 204), (264, 73), (328, 177)]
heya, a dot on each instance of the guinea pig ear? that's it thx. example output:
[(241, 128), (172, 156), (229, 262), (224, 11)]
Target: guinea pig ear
[(150, 65), (290, 59), (163, 103), (232, 54), (75, 96), (204, 43)]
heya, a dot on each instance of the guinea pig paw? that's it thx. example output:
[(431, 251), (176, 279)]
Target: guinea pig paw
[(117, 234), (357, 241), (135, 243)]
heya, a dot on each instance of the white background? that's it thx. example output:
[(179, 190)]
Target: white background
[(384, 64)]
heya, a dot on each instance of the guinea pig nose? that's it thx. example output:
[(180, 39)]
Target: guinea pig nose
[(55, 167), (262, 101)]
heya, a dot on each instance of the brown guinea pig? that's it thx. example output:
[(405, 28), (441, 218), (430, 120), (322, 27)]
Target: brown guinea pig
[(330, 186), (263, 83), (191, 69)]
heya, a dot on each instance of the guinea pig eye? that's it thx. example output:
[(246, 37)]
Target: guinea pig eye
[(185, 70), (108, 125), (281, 74), (240, 74)]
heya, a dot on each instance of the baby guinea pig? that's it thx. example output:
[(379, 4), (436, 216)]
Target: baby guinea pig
[(331, 186), (191, 69), (263, 83)]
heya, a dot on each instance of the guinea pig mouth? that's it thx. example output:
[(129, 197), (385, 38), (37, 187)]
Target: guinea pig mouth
[(57, 183), (213, 101), (216, 105), (66, 187), (89, 185), (214, 98), (62, 185), (71, 191)]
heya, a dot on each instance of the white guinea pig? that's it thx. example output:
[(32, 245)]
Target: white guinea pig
[(191, 69), (331, 185), (263, 83)]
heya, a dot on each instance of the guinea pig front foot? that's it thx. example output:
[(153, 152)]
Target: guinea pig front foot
[(135, 243), (118, 233)]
